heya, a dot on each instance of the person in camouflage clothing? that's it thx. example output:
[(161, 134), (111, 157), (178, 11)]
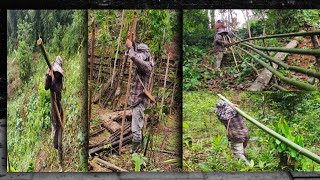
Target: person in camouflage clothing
[(236, 128), (138, 100), (54, 82), (219, 44)]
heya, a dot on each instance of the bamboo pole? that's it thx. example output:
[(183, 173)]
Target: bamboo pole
[(174, 89), (116, 56), (288, 50), (91, 71), (164, 87), (109, 165), (291, 144), (131, 35), (284, 65), (298, 84), (279, 87), (234, 57), (281, 35)]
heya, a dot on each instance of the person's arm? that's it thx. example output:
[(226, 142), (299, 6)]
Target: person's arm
[(139, 60), (48, 81), (57, 83), (220, 41)]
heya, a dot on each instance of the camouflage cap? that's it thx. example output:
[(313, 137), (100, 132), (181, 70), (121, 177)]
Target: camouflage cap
[(57, 65), (142, 46), (221, 104)]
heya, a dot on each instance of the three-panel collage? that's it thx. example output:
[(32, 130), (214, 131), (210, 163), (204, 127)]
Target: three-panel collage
[(197, 90)]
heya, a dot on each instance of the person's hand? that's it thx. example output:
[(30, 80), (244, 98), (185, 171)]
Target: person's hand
[(50, 72), (128, 43), (229, 44), (234, 106)]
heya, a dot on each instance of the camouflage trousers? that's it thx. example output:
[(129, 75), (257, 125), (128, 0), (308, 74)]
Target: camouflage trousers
[(219, 57), (137, 122), (57, 141)]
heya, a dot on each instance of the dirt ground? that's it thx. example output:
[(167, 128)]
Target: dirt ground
[(165, 138)]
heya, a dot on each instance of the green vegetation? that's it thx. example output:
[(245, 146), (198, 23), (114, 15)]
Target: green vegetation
[(159, 30), (293, 115), (239, 70), (30, 145)]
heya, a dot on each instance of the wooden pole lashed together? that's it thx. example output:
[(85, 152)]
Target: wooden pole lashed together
[(291, 144), (131, 36)]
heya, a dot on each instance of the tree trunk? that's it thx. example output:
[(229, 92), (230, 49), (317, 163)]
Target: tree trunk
[(84, 128), (91, 70), (293, 82), (265, 76)]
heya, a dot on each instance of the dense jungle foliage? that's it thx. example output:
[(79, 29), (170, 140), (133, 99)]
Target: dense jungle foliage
[(293, 115), (159, 29), (198, 37), (30, 144)]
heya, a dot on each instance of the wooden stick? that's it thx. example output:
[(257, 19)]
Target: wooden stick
[(234, 57), (57, 110), (125, 106), (109, 165), (131, 35)]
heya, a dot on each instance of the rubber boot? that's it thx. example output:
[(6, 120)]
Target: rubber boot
[(60, 151), (136, 145), (238, 151)]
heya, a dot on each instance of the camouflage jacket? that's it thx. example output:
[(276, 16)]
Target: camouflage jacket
[(55, 87), (237, 130), (143, 70), (218, 43)]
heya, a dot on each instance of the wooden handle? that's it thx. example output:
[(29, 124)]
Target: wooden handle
[(40, 43)]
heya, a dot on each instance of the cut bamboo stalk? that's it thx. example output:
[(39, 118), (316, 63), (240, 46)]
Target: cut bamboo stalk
[(284, 65), (116, 56), (111, 145), (164, 87), (109, 165), (279, 87), (281, 35), (291, 144), (315, 52), (295, 83)]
